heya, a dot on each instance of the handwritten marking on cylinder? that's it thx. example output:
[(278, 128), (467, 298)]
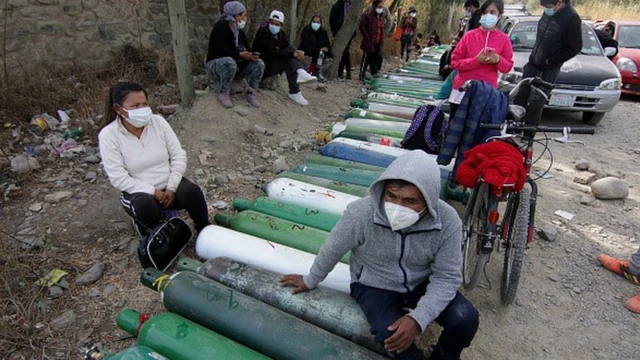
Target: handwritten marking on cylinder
[(232, 304), (271, 244)]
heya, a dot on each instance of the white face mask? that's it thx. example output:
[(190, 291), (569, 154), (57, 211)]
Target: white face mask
[(379, 10), (139, 118), (241, 24), (399, 216)]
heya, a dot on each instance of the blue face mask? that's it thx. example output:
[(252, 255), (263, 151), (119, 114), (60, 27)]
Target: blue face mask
[(315, 26), (274, 29), (488, 21), (549, 11)]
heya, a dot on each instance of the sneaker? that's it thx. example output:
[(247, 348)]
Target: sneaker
[(298, 98), (225, 100), (633, 304), (251, 98), (612, 264), (305, 77)]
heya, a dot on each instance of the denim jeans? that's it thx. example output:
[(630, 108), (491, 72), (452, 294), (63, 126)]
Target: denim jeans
[(383, 307), (225, 69)]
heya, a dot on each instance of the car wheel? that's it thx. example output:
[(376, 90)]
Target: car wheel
[(592, 118)]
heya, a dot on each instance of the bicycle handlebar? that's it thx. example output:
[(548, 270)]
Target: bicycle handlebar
[(548, 129)]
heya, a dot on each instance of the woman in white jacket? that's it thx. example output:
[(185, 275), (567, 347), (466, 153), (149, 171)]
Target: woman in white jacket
[(144, 160)]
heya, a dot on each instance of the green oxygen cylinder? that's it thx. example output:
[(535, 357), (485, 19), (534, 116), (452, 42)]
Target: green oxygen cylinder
[(135, 352), (248, 321), (364, 114), (351, 176), (329, 309), (329, 161), (346, 188), (280, 231), (300, 214), (177, 338)]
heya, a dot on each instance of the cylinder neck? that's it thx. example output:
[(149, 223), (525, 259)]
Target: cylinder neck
[(241, 204), (149, 277), (224, 218), (128, 320)]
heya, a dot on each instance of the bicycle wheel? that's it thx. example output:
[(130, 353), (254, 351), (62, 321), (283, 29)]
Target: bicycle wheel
[(515, 226), (475, 225)]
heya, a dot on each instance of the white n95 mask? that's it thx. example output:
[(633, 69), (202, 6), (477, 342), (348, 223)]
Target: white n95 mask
[(399, 216), (139, 118)]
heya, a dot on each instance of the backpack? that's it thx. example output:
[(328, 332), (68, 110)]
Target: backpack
[(426, 131), (164, 243)]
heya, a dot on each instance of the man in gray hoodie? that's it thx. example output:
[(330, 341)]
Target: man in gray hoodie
[(405, 248)]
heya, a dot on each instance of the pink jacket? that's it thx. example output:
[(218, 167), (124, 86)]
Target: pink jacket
[(465, 57)]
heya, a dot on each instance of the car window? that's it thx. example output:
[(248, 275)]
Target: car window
[(629, 36), (523, 37)]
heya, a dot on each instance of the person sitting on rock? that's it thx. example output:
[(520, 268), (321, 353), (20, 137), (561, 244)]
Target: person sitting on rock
[(143, 159), (279, 56), (314, 40), (630, 270), (229, 55)]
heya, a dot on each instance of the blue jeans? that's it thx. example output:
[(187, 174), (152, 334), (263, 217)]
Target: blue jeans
[(383, 307)]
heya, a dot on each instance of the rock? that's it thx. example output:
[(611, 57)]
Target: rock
[(220, 205), (587, 199), (40, 150), (575, 289), (247, 172), (92, 275), (94, 293), (261, 130), (55, 291), (200, 172), (554, 278), (281, 164), (548, 233), (63, 284), (260, 169), (265, 155), (582, 164), (241, 110), (58, 196), (82, 202), (108, 290), (321, 87), (31, 242), (610, 188), (92, 159), (285, 144), (250, 178), (584, 177), (64, 320), (24, 164), (220, 179), (90, 176), (35, 207)]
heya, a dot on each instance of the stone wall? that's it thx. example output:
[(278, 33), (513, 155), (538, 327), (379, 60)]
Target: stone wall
[(54, 34)]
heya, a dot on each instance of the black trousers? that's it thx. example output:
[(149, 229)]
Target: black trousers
[(148, 213), (372, 60), (534, 102), (289, 67), (406, 42), (345, 60)]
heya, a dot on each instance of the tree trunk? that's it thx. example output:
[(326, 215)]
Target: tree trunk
[(344, 35), (293, 32), (393, 5)]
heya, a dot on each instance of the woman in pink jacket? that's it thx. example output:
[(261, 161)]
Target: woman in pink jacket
[(481, 53)]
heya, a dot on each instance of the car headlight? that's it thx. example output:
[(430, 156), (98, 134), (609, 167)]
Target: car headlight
[(611, 84), (627, 64)]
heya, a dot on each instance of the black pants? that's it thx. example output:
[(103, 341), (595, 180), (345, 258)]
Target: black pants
[(534, 102), (289, 67), (345, 60), (148, 213), (383, 307), (406, 42), (372, 60)]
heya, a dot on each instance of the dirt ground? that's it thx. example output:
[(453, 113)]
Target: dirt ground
[(567, 307)]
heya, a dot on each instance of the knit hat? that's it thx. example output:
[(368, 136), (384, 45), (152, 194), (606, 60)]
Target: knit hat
[(233, 8), (277, 15)]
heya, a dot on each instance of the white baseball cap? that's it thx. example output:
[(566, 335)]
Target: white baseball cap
[(277, 16)]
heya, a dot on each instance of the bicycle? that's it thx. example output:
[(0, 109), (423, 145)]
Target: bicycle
[(481, 227)]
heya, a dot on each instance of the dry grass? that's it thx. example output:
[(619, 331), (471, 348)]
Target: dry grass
[(609, 11)]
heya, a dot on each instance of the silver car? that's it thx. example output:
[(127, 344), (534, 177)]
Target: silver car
[(589, 82)]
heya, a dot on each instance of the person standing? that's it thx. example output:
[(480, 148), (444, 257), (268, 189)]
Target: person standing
[(314, 41), (338, 15), (559, 38), (473, 14), (409, 24), (229, 55), (279, 56), (372, 29)]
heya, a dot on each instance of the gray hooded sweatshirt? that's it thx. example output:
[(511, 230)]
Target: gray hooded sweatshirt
[(399, 260)]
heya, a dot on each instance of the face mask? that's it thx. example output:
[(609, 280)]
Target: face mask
[(241, 24), (139, 118), (399, 216), (469, 13), (274, 29), (379, 10), (412, 14), (315, 26), (488, 21), (549, 11)]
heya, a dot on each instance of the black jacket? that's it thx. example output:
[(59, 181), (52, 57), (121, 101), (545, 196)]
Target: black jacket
[(445, 59), (559, 38), (312, 41), (272, 47), (336, 17), (474, 22), (222, 43)]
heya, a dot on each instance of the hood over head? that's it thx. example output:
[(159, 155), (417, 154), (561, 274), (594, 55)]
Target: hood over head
[(418, 168)]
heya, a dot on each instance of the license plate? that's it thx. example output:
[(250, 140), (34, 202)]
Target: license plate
[(562, 100)]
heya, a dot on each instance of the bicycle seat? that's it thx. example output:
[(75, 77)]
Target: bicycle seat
[(516, 112)]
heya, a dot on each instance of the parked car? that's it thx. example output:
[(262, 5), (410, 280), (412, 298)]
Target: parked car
[(627, 34), (589, 82)]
